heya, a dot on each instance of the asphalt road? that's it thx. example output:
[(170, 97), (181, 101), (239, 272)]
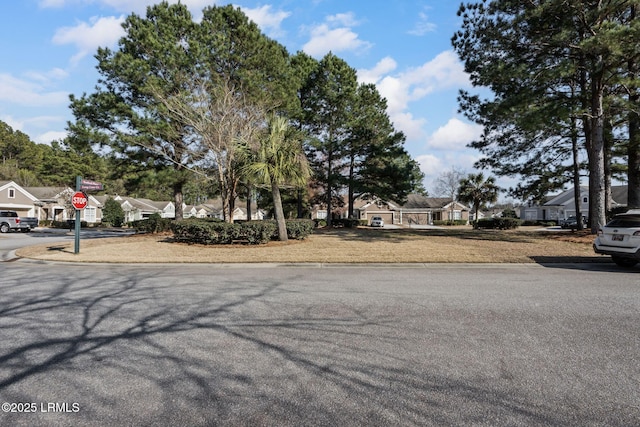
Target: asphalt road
[(196, 345)]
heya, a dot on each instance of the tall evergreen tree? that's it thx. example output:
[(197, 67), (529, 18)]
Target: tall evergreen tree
[(156, 52), (327, 100), (547, 63), (378, 164)]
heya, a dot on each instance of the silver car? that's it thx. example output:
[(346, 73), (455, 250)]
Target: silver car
[(620, 238), (377, 221)]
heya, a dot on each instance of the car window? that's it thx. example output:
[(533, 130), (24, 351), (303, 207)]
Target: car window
[(625, 222)]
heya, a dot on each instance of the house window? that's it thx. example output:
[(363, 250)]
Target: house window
[(12, 193), (90, 214), (585, 200), (457, 215)]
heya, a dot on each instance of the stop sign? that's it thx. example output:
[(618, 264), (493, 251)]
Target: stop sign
[(79, 200)]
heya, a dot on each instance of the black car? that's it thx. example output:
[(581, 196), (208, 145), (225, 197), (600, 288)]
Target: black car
[(572, 222)]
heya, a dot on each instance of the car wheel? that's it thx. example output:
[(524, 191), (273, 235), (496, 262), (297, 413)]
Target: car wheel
[(4, 227), (624, 262)]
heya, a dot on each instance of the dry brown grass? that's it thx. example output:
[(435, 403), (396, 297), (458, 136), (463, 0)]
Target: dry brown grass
[(456, 244)]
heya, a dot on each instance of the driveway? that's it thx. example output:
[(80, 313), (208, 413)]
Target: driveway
[(197, 345)]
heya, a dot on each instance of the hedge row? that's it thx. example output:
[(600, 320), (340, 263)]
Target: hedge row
[(154, 224), (499, 223), (450, 222), (252, 232)]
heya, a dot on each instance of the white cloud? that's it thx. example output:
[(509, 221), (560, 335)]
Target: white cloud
[(129, 6), (47, 76), (431, 165), (87, 37), (344, 19), (335, 35), (454, 135), (423, 26), (384, 66), (30, 94), (411, 126), (268, 21), (49, 137), (401, 89)]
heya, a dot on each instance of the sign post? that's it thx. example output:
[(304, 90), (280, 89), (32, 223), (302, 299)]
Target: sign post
[(79, 201)]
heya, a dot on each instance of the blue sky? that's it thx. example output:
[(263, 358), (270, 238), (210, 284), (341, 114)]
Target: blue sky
[(402, 46)]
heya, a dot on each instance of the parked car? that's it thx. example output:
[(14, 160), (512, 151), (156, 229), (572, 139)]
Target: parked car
[(377, 221), (9, 220), (28, 223), (572, 222), (620, 238)]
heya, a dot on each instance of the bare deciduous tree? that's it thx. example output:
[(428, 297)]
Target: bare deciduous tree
[(218, 116)]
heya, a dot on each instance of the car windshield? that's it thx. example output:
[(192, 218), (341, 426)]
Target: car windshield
[(626, 221)]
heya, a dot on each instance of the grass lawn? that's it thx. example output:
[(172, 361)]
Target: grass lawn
[(362, 245)]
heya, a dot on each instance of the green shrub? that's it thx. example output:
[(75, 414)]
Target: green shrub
[(257, 232), (346, 222), (199, 231), (499, 223), (112, 213), (299, 229), (536, 222), (154, 224), (450, 222), (319, 223)]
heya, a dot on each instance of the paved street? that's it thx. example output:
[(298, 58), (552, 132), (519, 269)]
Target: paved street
[(282, 346)]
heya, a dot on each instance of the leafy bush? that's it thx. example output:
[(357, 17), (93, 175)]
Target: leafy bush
[(450, 222), (257, 232), (154, 224), (198, 231), (112, 213), (299, 229), (205, 232), (70, 224), (509, 213), (540, 223), (319, 223), (499, 223), (346, 222)]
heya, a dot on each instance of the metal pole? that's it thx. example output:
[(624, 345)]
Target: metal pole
[(77, 234)]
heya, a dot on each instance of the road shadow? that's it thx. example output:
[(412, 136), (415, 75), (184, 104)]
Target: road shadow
[(138, 349), (595, 263)]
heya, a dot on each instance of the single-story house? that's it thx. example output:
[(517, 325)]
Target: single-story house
[(46, 203), (213, 209), (561, 206), (418, 210)]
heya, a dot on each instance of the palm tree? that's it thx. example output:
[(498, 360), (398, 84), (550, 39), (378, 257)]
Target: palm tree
[(476, 190), (278, 160)]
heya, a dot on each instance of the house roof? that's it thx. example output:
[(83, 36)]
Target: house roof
[(45, 194), (418, 201), (618, 194)]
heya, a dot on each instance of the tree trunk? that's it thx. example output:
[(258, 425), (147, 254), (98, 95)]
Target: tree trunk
[(633, 149), (329, 185), (300, 214), (178, 198), (249, 200), (576, 173), (351, 197), (595, 151), (279, 212)]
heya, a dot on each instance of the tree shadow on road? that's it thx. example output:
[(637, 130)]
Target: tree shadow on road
[(139, 349)]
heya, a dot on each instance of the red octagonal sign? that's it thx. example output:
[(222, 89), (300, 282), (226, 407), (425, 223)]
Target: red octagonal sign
[(79, 200)]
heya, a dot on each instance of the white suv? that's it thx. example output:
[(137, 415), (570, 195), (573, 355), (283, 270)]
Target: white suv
[(620, 238)]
